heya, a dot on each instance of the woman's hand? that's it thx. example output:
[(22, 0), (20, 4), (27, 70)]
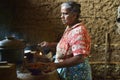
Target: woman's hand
[(43, 44)]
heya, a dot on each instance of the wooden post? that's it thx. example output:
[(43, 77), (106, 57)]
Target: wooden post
[(107, 46)]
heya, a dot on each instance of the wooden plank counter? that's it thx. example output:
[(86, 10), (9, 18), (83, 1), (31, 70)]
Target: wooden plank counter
[(8, 72), (49, 76)]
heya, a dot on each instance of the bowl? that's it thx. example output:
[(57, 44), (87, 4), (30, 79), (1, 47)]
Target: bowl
[(34, 71)]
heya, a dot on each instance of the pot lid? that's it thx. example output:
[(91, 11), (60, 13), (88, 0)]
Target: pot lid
[(11, 43)]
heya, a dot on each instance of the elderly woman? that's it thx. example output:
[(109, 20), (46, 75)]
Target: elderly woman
[(73, 49)]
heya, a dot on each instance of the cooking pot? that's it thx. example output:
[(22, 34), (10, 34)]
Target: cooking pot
[(12, 50)]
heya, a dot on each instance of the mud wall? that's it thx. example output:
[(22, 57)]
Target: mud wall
[(38, 20)]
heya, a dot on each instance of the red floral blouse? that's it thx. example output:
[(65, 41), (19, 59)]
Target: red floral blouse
[(75, 40)]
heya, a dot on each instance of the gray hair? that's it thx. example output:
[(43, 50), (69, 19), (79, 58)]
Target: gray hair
[(72, 6)]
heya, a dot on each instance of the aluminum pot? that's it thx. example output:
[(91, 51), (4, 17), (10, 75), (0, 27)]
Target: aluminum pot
[(12, 50)]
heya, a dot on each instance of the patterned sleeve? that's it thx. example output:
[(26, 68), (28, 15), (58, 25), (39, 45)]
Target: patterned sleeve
[(80, 42)]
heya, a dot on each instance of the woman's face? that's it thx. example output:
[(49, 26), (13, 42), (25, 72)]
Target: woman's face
[(67, 17)]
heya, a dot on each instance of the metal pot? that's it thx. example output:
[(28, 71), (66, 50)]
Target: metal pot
[(12, 50)]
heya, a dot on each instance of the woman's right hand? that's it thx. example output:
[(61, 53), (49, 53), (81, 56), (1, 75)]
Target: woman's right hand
[(43, 44)]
